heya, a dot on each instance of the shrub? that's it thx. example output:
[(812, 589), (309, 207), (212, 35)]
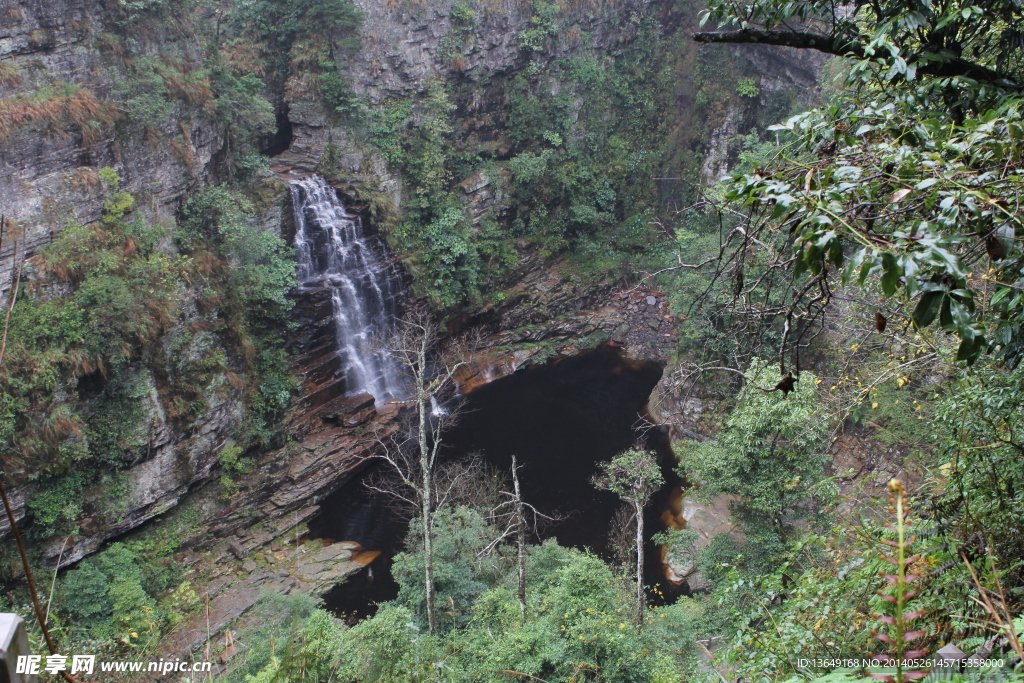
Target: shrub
[(769, 455)]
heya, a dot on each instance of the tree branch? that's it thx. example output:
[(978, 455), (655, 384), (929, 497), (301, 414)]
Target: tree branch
[(797, 39), (929, 63)]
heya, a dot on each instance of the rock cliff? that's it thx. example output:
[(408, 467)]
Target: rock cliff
[(69, 56)]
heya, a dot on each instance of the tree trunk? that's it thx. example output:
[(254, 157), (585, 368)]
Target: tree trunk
[(428, 556), (639, 561), (520, 543), (427, 474), (428, 542)]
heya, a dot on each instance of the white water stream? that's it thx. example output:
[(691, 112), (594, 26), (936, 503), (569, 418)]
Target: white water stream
[(334, 247)]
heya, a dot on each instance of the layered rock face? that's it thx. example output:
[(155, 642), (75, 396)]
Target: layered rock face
[(62, 117), (781, 72), (60, 122), (46, 158)]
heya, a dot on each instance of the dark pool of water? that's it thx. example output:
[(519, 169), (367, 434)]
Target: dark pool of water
[(355, 513), (560, 419)]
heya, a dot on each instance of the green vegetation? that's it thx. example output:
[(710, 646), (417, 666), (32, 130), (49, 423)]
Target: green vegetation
[(580, 623), (122, 599), (129, 593), (233, 57), (896, 192), (870, 248), (930, 142), (570, 160), (115, 319), (633, 476), (305, 41), (447, 254), (294, 641), (768, 455)]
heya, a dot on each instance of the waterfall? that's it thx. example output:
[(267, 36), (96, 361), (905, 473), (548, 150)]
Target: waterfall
[(335, 249)]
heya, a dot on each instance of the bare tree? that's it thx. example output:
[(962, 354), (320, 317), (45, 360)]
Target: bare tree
[(633, 476), (520, 525), (516, 517), (413, 454)]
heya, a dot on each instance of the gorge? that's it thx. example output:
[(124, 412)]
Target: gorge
[(561, 418), (471, 149), (746, 262)]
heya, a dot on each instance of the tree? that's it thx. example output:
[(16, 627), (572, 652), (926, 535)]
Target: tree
[(909, 181), (413, 454), (517, 517), (520, 528), (768, 455), (633, 476), (982, 496)]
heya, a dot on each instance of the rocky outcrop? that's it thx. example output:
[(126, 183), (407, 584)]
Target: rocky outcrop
[(169, 464), (705, 520), (784, 78), (45, 161), (404, 47), (636, 320), (234, 578)]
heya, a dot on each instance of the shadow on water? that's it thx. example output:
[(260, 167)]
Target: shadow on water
[(354, 513), (560, 419)]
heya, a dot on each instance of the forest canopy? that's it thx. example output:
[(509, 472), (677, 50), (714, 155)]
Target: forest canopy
[(910, 178)]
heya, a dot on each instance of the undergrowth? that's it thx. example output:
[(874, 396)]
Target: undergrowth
[(117, 333)]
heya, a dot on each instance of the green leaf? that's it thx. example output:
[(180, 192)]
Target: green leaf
[(945, 317), (927, 308), (970, 349), (891, 274), (853, 265), (799, 267), (961, 318), (865, 269), (835, 252)]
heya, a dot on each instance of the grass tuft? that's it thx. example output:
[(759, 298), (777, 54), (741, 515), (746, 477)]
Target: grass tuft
[(58, 109)]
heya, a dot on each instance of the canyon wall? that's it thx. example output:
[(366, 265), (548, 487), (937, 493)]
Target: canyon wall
[(68, 114)]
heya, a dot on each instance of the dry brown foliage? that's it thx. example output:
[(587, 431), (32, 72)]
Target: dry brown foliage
[(244, 57), (85, 180), (183, 151), (183, 84), (58, 109), (10, 74)]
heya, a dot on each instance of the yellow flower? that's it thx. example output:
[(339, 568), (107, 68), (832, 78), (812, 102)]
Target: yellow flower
[(874, 405)]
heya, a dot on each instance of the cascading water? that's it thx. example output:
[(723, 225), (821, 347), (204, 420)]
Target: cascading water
[(334, 247)]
